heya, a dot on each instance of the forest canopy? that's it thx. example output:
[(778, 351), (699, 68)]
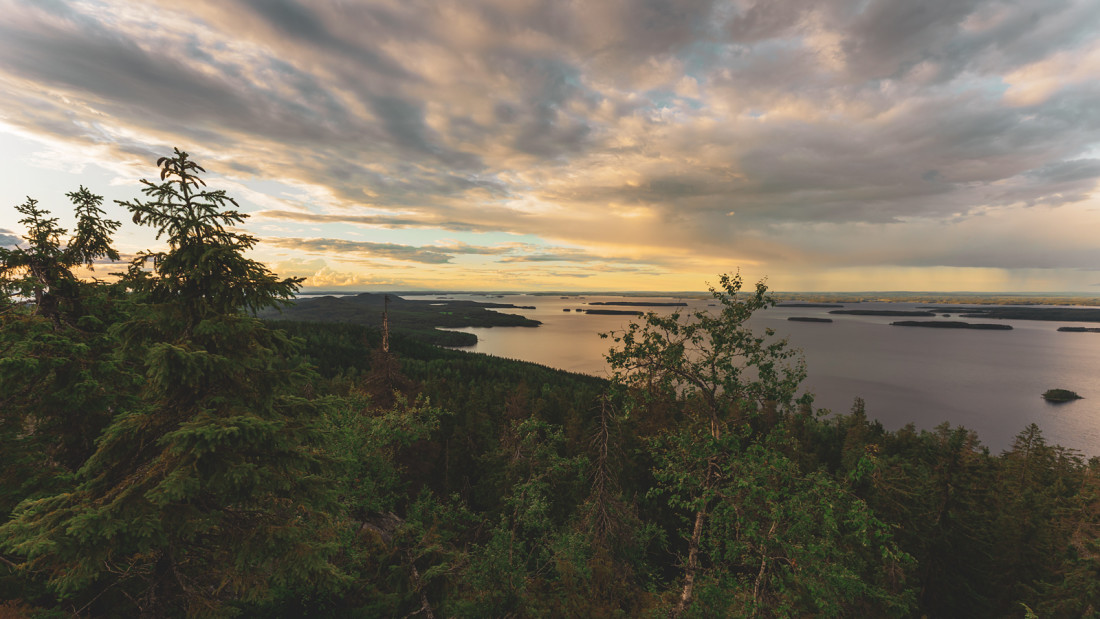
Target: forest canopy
[(168, 453)]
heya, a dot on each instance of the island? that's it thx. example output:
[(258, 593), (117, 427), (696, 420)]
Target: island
[(809, 305), (610, 312), (950, 324), (1079, 329), (640, 303), (419, 319), (1060, 395), (860, 312), (808, 319)]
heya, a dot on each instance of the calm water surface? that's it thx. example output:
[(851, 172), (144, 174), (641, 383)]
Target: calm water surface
[(989, 381)]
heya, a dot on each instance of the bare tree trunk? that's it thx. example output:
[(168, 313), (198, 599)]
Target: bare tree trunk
[(758, 585), (692, 565), (425, 607)]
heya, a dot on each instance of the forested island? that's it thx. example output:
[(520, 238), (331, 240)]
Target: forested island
[(808, 319), (1079, 329), (642, 303), (612, 312), (169, 454), (858, 312), (951, 324), (1060, 395)]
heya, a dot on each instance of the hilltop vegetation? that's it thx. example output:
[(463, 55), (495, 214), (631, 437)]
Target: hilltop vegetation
[(168, 454)]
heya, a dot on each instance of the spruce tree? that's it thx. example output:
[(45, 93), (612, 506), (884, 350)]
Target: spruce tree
[(42, 272), (58, 381), (208, 492)]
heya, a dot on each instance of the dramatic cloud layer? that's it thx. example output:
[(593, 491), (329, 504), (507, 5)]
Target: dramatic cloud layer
[(629, 143)]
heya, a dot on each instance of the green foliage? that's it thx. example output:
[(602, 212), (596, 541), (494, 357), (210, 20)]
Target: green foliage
[(43, 270), (204, 272), (1071, 588), (760, 537), (60, 381), (527, 541), (60, 387), (210, 488), (714, 361), (394, 561)]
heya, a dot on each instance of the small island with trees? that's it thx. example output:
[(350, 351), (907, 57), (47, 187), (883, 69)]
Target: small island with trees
[(1060, 395)]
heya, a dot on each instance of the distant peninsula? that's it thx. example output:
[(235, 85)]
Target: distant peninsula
[(639, 303), (1061, 314), (1079, 329), (950, 324), (808, 319), (884, 313), (810, 305), (420, 319)]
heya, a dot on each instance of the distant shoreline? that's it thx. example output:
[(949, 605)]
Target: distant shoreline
[(784, 298)]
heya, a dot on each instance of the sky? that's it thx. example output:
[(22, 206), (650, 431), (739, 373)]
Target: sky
[(826, 145)]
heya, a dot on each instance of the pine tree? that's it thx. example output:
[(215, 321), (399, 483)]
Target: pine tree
[(208, 492)]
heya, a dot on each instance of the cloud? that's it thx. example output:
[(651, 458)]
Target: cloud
[(382, 221), (425, 255), (441, 253), (329, 278), (298, 267), (627, 128), (403, 121), (8, 239), (561, 255)]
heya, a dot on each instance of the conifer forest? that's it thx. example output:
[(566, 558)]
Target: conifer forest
[(167, 453)]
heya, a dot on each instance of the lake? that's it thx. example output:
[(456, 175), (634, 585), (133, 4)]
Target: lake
[(988, 381)]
